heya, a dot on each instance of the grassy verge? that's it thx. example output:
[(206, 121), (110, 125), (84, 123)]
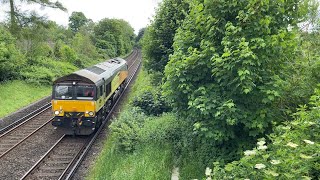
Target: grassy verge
[(148, 162), (17, 94), (150, 156)]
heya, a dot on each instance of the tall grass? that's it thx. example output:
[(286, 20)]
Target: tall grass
[(17, 94), (150, 161)]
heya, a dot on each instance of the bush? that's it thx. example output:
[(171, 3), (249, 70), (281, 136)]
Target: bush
[(151, 104), (291, 152), (11, 60), (125, 129), (133, 128), (44, 70)]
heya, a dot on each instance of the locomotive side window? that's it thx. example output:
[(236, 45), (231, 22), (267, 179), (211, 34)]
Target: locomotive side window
[(85, 92), (63, 92), (108, 89)]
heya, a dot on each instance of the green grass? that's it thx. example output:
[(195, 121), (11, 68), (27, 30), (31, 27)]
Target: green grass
[(17, 94), (148, 162)]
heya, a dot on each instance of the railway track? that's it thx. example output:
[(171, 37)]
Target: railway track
[(65, 156), (25, 118), (18, 134), (21, 134), (63, 159)]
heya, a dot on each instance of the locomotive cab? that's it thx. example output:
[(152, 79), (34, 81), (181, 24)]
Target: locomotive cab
[(74, 107), (81, 100)]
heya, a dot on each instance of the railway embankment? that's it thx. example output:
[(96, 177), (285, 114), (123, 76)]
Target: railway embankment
[(19, 99)]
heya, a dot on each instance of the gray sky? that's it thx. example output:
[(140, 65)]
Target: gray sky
[(137, 12)]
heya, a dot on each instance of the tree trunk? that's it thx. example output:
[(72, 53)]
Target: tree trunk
[(13, 25)]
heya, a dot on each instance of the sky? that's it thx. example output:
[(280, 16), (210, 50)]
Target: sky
[(137, 12)]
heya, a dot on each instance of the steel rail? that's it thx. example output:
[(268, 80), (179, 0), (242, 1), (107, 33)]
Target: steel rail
[(38, 111), (43, 157), (24, 119), (88, 147), (25, 138), (80, 155)]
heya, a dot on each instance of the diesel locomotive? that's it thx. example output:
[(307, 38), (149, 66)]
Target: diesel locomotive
[(81, 100)]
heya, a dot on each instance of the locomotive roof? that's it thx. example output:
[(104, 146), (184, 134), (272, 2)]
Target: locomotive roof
[(95, 74)]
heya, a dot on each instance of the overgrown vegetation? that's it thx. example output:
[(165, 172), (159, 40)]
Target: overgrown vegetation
[(39, 50), (290, 152), (140, 146), (235, 72), (36, 50)]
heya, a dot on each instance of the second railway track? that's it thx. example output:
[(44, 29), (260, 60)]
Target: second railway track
[(46, 168), (63, 159)]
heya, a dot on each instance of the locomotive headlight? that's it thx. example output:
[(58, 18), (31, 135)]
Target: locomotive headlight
[(90, 113), (56, 113)]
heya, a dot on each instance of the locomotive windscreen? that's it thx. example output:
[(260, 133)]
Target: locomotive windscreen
[(63, 92), (84, 92)]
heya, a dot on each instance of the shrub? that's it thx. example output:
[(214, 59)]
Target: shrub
[(44, 70), (151, 104), (125, 129), (134, 128), (11, 60), (291, 152)]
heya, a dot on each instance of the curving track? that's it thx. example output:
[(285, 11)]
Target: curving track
[(65, 156), (62, 159)]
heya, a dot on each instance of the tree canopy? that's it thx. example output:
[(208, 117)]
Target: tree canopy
[(76, 21), (159, 35)]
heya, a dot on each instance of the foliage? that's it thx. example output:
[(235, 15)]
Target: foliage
[(228, 57), (291, 152), (125, 129), (151, 103), (16, 15), (17, 94), (83, 45), (151, 161), (45, 70), (114, 37), (302, 75), (158, 39), (76, 21), (11, 60), (140, 34)]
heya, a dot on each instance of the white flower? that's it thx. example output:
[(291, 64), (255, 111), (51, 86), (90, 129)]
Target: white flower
[(249, 152), (308, 141), (208, 171), (264, 147), (247, 179), (272, 173), (261, 143), (260, 166), (275, 162), (293, 145)]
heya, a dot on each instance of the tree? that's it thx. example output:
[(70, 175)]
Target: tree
[(14, 13), (227, 64), (140, 34), (76, 21), (157, 45), (11, 60), (114, 37)]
